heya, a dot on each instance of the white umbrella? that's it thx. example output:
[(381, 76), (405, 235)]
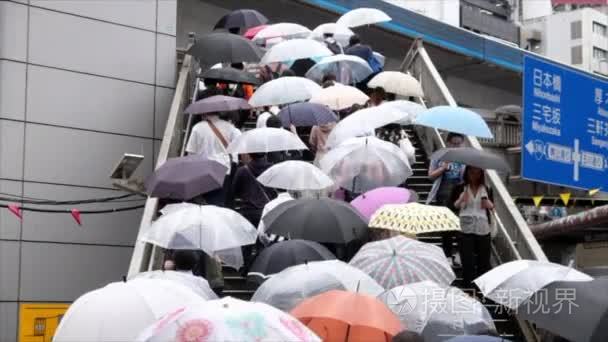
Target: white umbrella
[(284, 90), (198, 285), (228, 319), (340, 33), (217, 231), (177, 206), (339, 97), (264, 140), (438, 312), (288, 288), (282, 30), (380, 58), (120, 311), (294, 49), (397, 83), (409, 108), (512, 283), (362, 164), (347, 69), (295, 175), (362, 16)]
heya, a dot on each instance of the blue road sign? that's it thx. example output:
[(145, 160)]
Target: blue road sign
[(564, 126)]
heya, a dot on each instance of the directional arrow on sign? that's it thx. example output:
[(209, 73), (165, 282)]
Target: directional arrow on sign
[(530, 147)]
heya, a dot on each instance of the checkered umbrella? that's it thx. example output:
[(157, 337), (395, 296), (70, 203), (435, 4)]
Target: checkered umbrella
[(398, 261), (414, 218)]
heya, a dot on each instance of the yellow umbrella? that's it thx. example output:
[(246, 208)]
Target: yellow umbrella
[(414, 218)]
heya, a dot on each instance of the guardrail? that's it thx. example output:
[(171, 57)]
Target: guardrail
[(506, 134)]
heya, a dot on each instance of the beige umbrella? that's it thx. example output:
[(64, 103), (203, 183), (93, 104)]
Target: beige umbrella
[(414, 218), (339, 97), (397, 83)]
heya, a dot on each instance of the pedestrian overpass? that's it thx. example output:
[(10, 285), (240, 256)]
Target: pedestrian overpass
[(454, 66)]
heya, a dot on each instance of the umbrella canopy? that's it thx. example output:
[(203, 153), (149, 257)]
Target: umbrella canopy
[(514, 282), (216, 104), (284, 90), (293, 49), (321, 220), (242, 18), (227, 319), (338, 316), (216, 231), (339, 97), (264, 140), (284, 254), (295, 175), (340, 33), (368, 203), (472, 156), (362, 16), (577, 311), (409, 108), (415, 218), (198, 285), (186, 177), (230, 75), (283, 31), (119, 311), (455, 119), (348, 69), (437, 311), (362, 164), (221, 47), (399, 261), (476, 338), (250, 33), (306, 114), (397, 83), (288, 288)]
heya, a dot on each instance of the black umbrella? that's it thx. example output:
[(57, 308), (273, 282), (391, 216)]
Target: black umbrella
[(322, 220), (576, 310), (472, 156), (222, 47), (230, 75), (243, 18), (285, 254), (301, 66), (216, 104)]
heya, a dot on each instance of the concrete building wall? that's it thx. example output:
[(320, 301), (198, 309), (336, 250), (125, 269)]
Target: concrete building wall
[(81, 83)]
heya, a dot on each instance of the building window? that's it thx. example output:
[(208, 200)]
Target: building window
[(600, 29), (576, 29), (577, 54), (599, 54)]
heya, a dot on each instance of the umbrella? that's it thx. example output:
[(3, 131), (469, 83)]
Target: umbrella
[(186, 177), (301, 66), (369, 202), (472, 156), (348, 69), (338, 316), (295, 175), (283, 31), (221, 47), (411, 109), (242, 18), (514, 110), (476, 338), (288, 288), (216, 231), (169, 208), (321, 220), (514, 282), (217, 103), (119, 311), (399, 260), (340, 33), (455, 119), (577, 311), (284, 90), (264, 140), (362, 164), (250, 33), (415, 218), (339, 97), (437, 312), (230, 75), (362, 16), (306, 114), (227, 319), (397, 83), (293, 49), (284, 254), (198, 285)]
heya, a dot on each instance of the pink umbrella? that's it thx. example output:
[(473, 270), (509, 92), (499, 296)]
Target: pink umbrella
[(369, 202), (253, 31)]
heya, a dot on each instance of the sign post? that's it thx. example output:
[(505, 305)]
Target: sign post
[(564, 126)]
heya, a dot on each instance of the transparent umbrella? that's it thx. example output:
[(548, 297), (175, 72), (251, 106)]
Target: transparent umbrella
[(274, 93), (348, 69), (340, 33), (362, 16), (264, 140), (339, 97), (291, 50), (295, 175), (283, 31), (198, 285)]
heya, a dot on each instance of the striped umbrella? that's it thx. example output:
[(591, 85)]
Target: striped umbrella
[(400, 261), (414, 218)]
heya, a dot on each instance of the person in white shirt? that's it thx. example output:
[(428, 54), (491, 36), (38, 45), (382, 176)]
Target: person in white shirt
[(204, 141), (263, 117), (267, 239)]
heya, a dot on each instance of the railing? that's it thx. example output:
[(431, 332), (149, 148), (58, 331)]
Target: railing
[(506, 133), (514, 240)]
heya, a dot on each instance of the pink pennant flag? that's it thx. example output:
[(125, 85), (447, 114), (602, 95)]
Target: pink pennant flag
[(16, 210), (76, 216)]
